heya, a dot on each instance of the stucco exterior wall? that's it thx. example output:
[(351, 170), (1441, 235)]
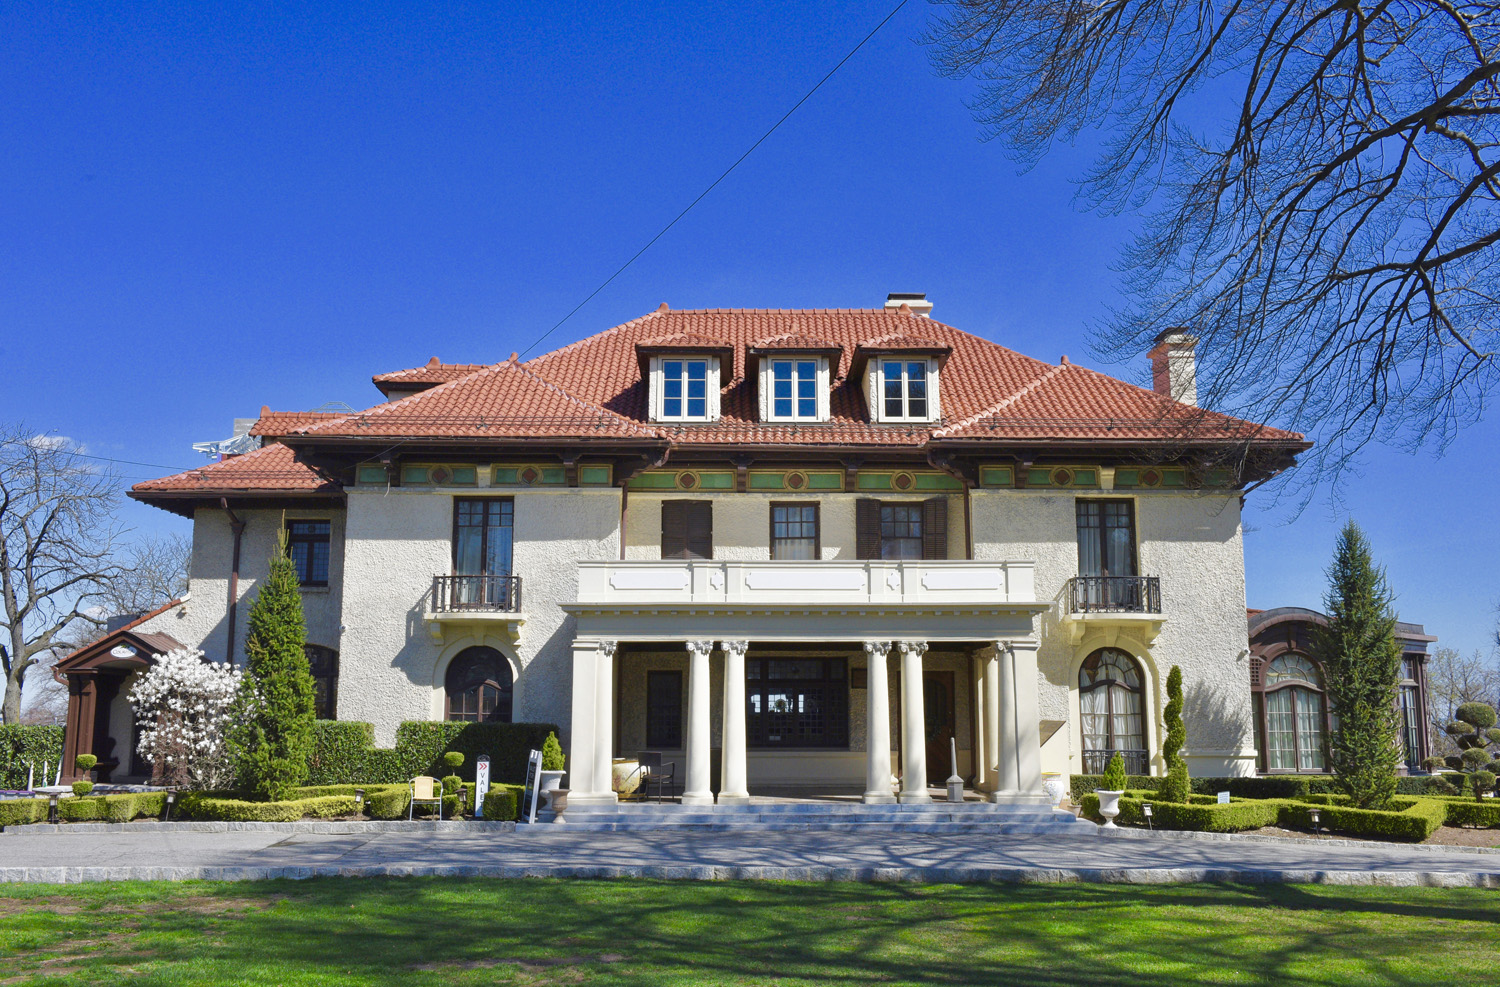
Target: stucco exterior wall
[(742, 523), (1193, 542)]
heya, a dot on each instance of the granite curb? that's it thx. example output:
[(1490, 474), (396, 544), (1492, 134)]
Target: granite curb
[(326, 828), (1177, 834), (731, 872)]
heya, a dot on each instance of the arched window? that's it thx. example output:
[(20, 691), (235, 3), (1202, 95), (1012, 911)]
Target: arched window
[(1111, 698), (324, 665), (1294, 711), (479, 686)]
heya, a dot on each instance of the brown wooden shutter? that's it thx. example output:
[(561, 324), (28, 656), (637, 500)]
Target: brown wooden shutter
[(867, 529), (700, 529), (935, 528), (674, 529)]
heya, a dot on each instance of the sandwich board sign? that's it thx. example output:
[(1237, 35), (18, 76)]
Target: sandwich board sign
[(481, 784), (533, 784)]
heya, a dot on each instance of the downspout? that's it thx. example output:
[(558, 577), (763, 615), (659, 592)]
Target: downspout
[(238, 527)]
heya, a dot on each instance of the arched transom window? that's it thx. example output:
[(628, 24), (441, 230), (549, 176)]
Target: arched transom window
[(1111, 699), (479, 685), (1295, 714)]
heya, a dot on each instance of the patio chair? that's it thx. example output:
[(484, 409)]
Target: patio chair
[(656, 773), (422, 792)]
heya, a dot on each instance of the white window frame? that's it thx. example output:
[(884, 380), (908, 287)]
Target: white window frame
[(875, 388), (768, 388), (658, 388)]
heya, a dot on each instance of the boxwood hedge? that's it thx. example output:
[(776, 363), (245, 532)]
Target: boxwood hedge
[(344, 752)]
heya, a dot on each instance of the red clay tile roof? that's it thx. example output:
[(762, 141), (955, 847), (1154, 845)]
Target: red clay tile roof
[(161, 643), (433, 372), (274, 424), (505, 400), (274, 468)]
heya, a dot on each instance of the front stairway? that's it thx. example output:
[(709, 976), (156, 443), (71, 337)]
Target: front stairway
[(772, 815)]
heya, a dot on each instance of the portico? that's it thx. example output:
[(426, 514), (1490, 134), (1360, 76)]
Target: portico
[(806, 668)]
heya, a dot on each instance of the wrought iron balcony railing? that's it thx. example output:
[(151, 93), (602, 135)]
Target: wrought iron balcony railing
[(1136, 762), (1114, 594), (498, 594)]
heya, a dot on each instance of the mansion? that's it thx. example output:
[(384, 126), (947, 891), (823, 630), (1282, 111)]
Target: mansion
[(847, 550)]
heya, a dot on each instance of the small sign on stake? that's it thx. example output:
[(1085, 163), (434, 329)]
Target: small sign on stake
[(530, 794), (481, 784), (1223, 798)]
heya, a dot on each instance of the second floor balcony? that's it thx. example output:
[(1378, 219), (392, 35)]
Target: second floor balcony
[(457, 600), (1116, 603)]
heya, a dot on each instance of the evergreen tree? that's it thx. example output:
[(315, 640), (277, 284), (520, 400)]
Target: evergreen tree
[(277, 741), (1362, 664), (1177, 784)]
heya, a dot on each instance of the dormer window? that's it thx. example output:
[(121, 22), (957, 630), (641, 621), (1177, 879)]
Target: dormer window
[(794, 388), (907, 390), (685, 388)]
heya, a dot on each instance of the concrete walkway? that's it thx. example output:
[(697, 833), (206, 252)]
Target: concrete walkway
[(174, 854)]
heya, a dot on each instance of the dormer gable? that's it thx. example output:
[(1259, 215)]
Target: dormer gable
[(684, 374), (902, 378), (795, 374)]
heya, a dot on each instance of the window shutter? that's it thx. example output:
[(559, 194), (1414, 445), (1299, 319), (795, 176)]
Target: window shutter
[(700, 529), (867, 529), (674, 529), (935, 528)]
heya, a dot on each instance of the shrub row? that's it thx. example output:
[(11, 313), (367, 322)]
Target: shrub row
[(21, 743), (19, 812), (1410, 819), (1265, 787), (503, 802), (1199, 814), (208, 807), (113, 808), (344, 752)]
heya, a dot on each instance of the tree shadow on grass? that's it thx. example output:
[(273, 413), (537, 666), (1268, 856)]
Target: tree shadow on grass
[(654, 933)]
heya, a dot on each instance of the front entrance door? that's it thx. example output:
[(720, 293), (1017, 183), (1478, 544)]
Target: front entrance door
[(937, 697)]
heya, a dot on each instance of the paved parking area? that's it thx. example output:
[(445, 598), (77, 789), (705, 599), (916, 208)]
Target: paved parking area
[(553, 851)]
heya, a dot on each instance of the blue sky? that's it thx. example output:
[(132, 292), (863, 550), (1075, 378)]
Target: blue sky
[(208, 210)]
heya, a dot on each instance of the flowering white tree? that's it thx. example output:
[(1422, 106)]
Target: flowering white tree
[(186, 708)]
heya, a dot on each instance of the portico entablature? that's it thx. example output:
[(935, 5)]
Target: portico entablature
[(784, 624)]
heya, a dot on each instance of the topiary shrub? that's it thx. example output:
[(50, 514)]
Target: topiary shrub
[(85, 763), (1114, 775), (451, 782), (552, 755), (454, 760), (1473, 730), (83, 786), (276, 744), (1177, 784)]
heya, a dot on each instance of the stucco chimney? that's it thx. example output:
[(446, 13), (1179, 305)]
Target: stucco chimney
[(916, 301), (1174, 371)]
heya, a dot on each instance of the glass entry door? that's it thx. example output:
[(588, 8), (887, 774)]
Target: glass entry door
[(482, 548)]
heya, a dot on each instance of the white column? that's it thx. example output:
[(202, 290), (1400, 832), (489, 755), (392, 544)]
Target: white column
[(697, 791), (587, 731), (992, 745), (732, 787), (604, 721), (913, 724), (878, 726), (1020, 769)]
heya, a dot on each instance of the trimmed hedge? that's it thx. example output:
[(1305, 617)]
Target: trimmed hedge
[(344, 752), (1082, 785), (1467, 812), (19, 812), (1198, 815), (207, 807), (1412, 819), (20, 743), (1263, 787), (503, 802)]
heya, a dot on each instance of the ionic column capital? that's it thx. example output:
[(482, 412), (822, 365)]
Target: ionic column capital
[(700, 647), (918, 648), (736, 648), (881, 648)]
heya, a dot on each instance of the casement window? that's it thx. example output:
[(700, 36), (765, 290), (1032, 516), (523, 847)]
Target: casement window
[(1411, 714), (482, 549), (794, 531), (664, 710), (479, 686), (323, 663), (901, 529), (1111, 698), (1294, 711), (308, 545), (1106, 538), (794, 389), (684, 389), (797, 702), (687, 529), (904, 390)]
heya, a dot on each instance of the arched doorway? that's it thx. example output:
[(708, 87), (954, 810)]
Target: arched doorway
[(479, 686)]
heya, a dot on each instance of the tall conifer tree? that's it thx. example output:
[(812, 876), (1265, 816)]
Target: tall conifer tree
[(1361, 665), (277, 742)]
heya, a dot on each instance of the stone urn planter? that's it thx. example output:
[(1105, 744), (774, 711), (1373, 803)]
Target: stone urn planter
[(1109, 807), (1055, 787), (549, 781)]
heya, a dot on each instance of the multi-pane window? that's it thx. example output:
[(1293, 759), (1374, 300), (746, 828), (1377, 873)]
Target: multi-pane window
[(794, 390), (482, 548), (1295, 715), (1111, 699), (664, 710), (1106, 538), (797, 702), (684, 389), (901, 530), (307, 542), (794, 531), (479, 686), (1411, 714), (903, 390)]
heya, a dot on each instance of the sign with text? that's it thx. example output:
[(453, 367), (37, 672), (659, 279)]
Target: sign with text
[(533, 783), (481, 784), (1223, 798)]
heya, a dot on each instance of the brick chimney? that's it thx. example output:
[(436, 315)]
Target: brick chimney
[(1174, 372), (916, 301)]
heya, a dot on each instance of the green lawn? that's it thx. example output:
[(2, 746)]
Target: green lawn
[(411, 931)]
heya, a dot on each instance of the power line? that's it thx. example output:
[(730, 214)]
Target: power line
[(106, 459), (663, 231)]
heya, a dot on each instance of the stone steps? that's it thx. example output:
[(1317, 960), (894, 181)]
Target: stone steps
[(937, 817)]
